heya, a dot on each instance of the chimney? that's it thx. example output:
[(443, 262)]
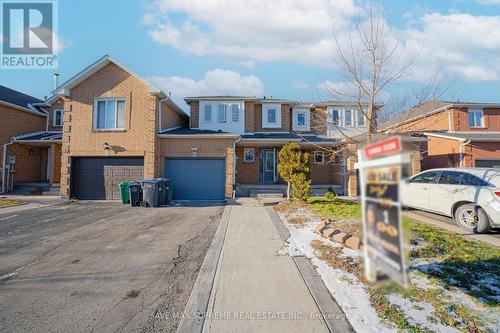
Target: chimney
[(56, 80)]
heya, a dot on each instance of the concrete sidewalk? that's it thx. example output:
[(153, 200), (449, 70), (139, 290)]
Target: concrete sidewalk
[(257, 289)]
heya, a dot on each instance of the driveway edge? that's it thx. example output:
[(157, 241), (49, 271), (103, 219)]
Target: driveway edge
[(196, 307), (333, 315)]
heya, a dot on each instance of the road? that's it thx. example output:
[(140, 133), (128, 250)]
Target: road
[(93, 267)]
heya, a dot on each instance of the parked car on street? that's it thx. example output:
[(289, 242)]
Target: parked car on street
[(470, 196)]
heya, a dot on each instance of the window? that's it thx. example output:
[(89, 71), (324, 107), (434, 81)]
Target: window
[(207, 113), (109, 114), (426, 178), (348, 117), (361, 119), (471, 180), (58, 117), (300, 120), (249, 155), (271, 116), (450, 178), (476, 118), (221, 114), (235, 113), (336, 117), (319, 157)]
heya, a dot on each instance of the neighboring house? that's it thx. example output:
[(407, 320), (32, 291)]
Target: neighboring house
[(233, 142), (112, 118), (30, 142), (459, 134)]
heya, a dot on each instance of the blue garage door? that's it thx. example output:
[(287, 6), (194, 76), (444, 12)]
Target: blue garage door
[(196, 179)]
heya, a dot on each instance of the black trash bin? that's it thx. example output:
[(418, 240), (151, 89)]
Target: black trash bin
[(150, 193), (135, 194), (163, 191)]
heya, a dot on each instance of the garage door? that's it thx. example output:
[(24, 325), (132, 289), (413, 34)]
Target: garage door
[(98, 178), (488, 163), (196, 179)]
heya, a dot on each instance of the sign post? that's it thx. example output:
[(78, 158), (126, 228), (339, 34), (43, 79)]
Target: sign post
[(380, 167)]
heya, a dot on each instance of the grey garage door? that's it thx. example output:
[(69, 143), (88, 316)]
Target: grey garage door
[(488, 163), (98, 178), (196, 179)]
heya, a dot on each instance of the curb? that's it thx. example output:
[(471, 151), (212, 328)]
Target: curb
[(197, 304), (333, 316)]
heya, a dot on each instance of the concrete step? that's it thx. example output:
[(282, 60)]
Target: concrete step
[(31, 188), (266, 193)]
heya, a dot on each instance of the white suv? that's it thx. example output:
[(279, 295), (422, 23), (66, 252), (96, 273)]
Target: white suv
[(470, 196)]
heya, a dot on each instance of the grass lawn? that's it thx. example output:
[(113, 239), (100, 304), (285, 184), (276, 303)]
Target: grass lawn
[(4, 202), (447, 261)]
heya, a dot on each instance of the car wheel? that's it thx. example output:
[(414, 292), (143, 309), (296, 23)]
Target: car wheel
[(472, 218)]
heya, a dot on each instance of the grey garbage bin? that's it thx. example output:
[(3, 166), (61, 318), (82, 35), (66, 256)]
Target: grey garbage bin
[(150, 193)]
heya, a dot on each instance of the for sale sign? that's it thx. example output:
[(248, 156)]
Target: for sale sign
[(380, 171), (382, 211)]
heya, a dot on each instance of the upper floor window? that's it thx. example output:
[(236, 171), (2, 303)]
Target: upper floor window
[(476, 118), (361, 119), (271, 116), (319, 157), (221, 114), (235, 113), (109, 114), (58, 117), (348, 121), (207, 113), (301, 120)]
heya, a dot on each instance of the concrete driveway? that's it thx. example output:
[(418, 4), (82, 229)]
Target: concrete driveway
[(100, 266)]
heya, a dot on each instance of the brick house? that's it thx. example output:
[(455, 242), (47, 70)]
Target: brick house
[(31, 142), (459, 134), (235, 141), (112, 118)]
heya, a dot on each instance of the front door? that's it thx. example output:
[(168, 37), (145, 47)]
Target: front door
[(268, 166)]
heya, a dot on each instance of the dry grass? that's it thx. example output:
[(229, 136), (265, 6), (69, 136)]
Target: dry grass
[(287, 206), (297, 220), (5, 202), (333, 257)]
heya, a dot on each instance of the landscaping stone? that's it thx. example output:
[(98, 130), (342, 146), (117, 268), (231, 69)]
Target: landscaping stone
[(341, 237), (353, 243), (328, 233), (320, 227)]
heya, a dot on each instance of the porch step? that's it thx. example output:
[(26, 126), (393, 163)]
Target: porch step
[(266, 194), (31, 188)]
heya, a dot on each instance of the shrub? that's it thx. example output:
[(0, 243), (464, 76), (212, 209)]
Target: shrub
[(330, 194), (301, 186)]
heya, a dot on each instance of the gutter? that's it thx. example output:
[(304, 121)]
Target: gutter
[(197, 136), (462, 153)]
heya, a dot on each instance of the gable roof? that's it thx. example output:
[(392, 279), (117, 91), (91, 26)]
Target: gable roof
[(428, 108), (65, 88), (18, 100)]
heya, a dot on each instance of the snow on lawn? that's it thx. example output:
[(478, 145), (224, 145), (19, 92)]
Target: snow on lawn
[(352, 296)]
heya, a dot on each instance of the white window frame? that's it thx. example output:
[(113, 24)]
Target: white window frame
[(265, 108), (95, 113), (322, 154), (473, 112), (231, 106), (210, 105), (352, 118), (360, 114), (306, 113), (224, 118), (245, 155), (54, 123)]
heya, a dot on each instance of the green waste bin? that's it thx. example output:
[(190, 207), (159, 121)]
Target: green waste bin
[(169, 191), (124, 193)]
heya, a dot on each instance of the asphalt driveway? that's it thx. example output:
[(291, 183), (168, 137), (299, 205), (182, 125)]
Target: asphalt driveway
[(100, 266)]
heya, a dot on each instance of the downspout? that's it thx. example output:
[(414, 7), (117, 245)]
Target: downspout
[(3, 165), (462, 153), (234, 165)]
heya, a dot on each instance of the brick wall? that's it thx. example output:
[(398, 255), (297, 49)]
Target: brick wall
[(181, 147), (195, 114), (247, 173), (433, 122), (286, 119), (28, 166), (139, 136), (480, 151), (170, 118), (249, 116), (491, 120), (325, 174), (55, 166)]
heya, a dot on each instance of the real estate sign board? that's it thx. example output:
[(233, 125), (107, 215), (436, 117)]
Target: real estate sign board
[(380, 171)]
